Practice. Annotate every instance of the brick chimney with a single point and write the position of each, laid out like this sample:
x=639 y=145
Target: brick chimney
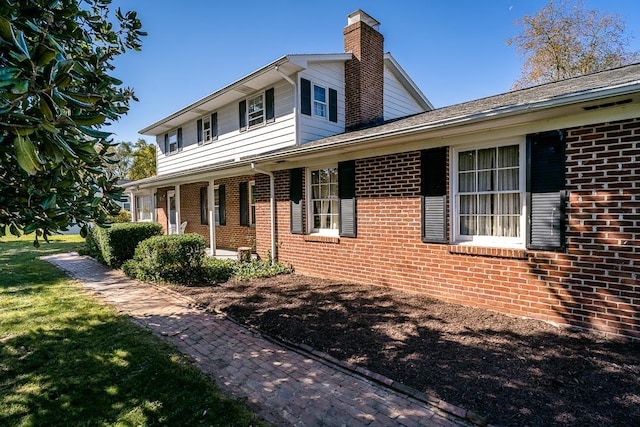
x=364 y=74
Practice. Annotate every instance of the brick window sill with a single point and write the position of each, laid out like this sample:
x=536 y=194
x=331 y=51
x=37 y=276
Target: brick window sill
x=321 y=239
x=488 y=252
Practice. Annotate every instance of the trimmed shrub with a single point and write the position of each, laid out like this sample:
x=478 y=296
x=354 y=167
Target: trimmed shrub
x=122 y=217
x=175 y=259
x=258 y=268
x=219 y=270
x=116 y=244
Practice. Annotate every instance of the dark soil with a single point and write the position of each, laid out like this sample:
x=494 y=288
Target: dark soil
x=513 y=371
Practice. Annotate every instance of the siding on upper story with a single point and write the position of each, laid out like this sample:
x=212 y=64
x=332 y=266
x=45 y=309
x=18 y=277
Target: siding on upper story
x=328 y=75
x=398 y=102
x=232 y=143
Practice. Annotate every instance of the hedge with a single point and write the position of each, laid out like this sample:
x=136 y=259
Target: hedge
x=116 y=244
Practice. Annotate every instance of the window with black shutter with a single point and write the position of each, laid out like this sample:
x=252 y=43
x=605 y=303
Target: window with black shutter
x=244 y=204
x=242 y=115
x=295 y=198
x=546 y=190
x=270 y=112
x=222 y=205
x=347 y=196
x=434 y=195
x=305 y=97
x=204 y=206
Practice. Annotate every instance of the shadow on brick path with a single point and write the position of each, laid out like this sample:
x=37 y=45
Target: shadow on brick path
x=283 y=386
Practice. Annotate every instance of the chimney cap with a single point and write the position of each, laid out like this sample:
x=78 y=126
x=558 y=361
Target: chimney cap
x=360 y=15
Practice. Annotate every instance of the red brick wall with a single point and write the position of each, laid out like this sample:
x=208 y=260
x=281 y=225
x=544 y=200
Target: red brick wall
x=594 y=284
x=229 y=236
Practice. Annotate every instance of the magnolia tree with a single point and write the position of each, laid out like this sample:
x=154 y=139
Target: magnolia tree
x=57 y=92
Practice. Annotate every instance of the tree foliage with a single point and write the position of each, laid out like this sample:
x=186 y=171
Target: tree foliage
x=564 y=40
x=144 y=160
x=56 y=95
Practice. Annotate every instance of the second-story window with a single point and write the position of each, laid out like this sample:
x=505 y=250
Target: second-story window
x=319 y=101
x=255 y=108
x=173 y=141
x=207 y=129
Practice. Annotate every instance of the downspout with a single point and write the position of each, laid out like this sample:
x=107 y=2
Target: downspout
x=272 y=191
x=295 y=105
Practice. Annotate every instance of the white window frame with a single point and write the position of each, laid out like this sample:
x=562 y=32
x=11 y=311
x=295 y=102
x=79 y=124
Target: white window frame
x=263 y=111
x=144 y=205
x=334 y=232
x=173 y=135
x=324 y=103
x=489 y=241
x=252 y=203
x=206 y=139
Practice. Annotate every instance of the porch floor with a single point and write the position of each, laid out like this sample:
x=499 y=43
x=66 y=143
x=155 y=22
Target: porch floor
x=227 y=254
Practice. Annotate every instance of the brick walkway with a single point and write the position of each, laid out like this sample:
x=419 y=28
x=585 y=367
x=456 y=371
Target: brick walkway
x=283 y=386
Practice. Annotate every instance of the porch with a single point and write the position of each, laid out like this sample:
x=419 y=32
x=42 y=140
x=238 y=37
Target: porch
x=228 y=254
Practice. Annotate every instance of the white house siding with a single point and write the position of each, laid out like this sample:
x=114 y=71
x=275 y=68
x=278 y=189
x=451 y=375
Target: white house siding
x=231 y=143
x=329 y=75
x=398 y=102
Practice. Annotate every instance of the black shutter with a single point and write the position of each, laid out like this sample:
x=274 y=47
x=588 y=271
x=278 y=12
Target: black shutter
x=166 y=143
x=347 y=196
x=204 y=206
x=433 y=189
x=222 y=204
x=244 y=204
x=179 y=139
x=295 y=197
x=305 y=97
x=199 y=128
x=270 y=112
x=333 y=105
x=214 y=126
x=546 y=190
x=242 y=115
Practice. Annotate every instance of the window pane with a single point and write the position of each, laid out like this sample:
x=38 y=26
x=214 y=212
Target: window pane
x=319 y=109
x=486 y=158
x=467 y=182
x=467 y=225
x=468 y=204
x=485 y=181
x=509 y=203
x=485 y=204
x=319 y=94
x=508 y=156
x=508 y=179
x=467 y=160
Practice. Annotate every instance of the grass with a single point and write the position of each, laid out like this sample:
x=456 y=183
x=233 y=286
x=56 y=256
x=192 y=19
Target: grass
x=67 y=360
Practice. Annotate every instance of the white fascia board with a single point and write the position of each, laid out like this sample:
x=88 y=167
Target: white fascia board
x=408 y=83
x=303 y=60
x=238 y=84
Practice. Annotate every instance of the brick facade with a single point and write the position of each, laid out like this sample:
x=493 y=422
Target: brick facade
x=593 y=284
x=229 y=236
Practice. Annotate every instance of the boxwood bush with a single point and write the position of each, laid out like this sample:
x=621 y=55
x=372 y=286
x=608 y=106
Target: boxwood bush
x=116 y=244
x=175 y=259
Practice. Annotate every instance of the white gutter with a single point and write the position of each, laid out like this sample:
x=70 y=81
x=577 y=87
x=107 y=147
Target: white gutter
x=296 y=126
x=272 y=191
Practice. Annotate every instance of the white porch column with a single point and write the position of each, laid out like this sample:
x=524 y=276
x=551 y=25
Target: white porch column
x=178 y=220
x=134 y=207
x=154 y=204
x=212 y=218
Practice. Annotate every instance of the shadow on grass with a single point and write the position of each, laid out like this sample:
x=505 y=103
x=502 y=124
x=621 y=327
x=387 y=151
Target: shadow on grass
x=65 y=360
x=514 y=371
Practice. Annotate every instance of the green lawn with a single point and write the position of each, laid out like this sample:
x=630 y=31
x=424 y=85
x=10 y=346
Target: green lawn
x=67 y=360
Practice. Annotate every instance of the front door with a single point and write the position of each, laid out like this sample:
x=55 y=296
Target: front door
x=171 y=212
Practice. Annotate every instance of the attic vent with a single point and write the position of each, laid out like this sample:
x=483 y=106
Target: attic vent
x=608 y=104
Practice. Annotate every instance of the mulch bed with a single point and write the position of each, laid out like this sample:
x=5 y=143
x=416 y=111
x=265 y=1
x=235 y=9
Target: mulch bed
x=514 y=371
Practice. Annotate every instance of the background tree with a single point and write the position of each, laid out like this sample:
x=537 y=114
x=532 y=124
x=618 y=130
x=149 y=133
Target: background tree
x=564 y=40
x=144 y=160
x=56 y=92
x=121 y=159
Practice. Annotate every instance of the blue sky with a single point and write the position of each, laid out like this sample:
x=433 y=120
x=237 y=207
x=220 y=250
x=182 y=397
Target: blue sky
x=455 y=51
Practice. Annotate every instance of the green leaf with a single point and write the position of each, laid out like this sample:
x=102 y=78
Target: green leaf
x=44 y=55
x=21 y=44
x=26 y=155
x=71 y=98
x=95 y=119
x=47 y=107
x=93 y=132
x=49 y=202
x=6 y=32
x=9 y=73
x=20 y=87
